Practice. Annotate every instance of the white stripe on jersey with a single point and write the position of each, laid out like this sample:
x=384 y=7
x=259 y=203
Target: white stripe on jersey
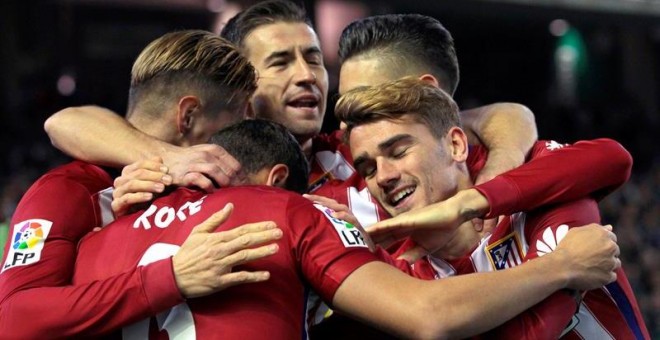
x=105 y=207
x=588 y=326
x=335 y=163
x=364 y=209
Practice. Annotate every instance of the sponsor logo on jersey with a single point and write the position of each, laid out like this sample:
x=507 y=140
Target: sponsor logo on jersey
x=552 y=145
x=348 y=233
x=550 y=239
x=505 y=253
x=27 y=241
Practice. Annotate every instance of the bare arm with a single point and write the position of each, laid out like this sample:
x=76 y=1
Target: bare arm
x=100 y=136
x=507 y=130
x=466 y=305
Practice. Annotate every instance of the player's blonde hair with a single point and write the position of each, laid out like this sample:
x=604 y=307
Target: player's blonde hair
x=190 y=62
x=406 y=98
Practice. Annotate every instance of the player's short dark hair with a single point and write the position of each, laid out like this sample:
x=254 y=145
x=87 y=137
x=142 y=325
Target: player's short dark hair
x=262 y=13
x=258 y=144
x=408 y=40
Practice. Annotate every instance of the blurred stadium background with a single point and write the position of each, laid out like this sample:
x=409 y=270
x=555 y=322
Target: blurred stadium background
x=586 y=68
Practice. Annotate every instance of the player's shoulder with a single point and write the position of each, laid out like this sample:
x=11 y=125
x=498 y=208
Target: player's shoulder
x=79 y=173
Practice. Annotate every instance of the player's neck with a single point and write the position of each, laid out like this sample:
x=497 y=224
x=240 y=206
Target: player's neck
x=307 y=148
x=157 y=128
x=461 y=243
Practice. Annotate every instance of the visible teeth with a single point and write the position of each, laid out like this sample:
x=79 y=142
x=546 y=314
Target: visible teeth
x=402 y=194
x=305 y=103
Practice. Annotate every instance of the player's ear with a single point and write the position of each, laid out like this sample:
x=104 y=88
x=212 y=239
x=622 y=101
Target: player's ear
x=278 y=175
x=187 y=110
x=429 y=78
x=458 y=144
x=249 y=111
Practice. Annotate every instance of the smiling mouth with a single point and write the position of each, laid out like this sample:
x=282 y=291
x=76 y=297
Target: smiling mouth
x=395 y=199
x=304 y=103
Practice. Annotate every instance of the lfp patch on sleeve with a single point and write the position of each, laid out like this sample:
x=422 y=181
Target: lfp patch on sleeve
x=348 y=233
x=27 y=241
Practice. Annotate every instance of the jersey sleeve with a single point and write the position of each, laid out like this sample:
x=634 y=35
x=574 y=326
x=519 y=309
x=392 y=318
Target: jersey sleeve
x=559 y=173
x=544 y=229
x=90 y=309
x=327 y=249
x=35 y=282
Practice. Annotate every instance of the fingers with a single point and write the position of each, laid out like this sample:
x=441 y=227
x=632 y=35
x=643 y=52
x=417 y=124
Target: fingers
x=211 y=223
x=237 y=278
x=234 y=233
x=137 y=183
x=210 y=163
x=478 y=224
x=122 y=204
x=196 y=179
x=238 y=246
x=220 y=166
x=346 y=216
x=227 y=163
x=153 y=164
x=327 y=202
x=141 y=181
x=386 y=228
x=246 y=255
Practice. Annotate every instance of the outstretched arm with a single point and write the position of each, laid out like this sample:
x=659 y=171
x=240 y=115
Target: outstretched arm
x=507 y=130
x=465 y=305
x=558 y=173
x=100 y=136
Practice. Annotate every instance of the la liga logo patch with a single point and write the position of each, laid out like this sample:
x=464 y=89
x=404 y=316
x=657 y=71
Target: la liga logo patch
x=350 y=235
x=27 y=241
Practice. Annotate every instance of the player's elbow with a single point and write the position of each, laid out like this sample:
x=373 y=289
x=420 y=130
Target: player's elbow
x=619 y=160
x=56 y=123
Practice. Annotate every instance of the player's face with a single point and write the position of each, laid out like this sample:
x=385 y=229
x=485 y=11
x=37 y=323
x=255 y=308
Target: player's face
x=356 y=72
x=404 y=165
x=292 y=80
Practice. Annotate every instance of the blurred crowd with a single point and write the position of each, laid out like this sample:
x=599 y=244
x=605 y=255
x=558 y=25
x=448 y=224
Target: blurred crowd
x=634 y=211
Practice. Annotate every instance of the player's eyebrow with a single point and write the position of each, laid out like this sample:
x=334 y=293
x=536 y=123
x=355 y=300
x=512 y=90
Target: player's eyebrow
x=382 y=146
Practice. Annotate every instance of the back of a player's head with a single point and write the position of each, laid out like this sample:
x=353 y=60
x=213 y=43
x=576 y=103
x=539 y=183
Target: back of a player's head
x=400 y=100
x=262 y=13
x=409 y=44
x=190 y=62
x=261 y=144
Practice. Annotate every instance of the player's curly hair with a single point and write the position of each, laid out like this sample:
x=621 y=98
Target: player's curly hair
x=191 y=62
x=406 y=98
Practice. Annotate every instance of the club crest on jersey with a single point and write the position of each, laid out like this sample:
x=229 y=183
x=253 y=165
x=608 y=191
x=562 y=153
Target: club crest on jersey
x=27 y=241
x=505 y=253
x=348 y=233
